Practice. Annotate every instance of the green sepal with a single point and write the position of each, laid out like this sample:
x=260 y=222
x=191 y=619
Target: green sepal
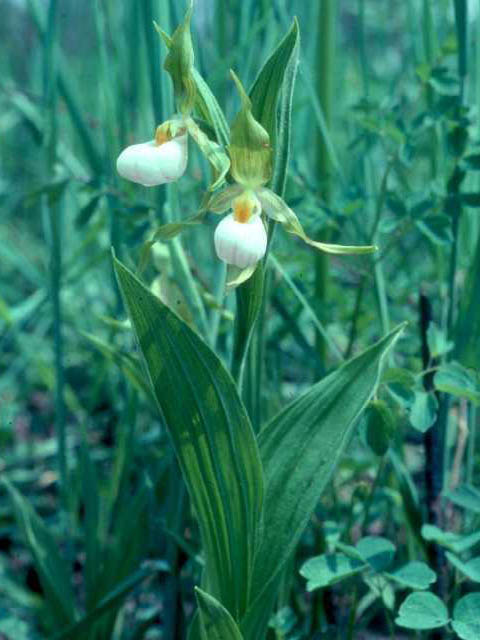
x=179 y=63
x=167 y=232
x=276 y=209
x=221 y=201
x=251 y=154
x=172 y=229
x=213 y=152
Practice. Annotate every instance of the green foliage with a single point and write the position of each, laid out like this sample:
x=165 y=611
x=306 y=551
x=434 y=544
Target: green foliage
x=368 y=480
x=422 y=610
x=215 y=621
x=212 y=436
x=466 y=616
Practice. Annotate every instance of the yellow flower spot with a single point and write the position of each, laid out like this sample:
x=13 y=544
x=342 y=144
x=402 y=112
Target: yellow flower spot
x=244 y=207
x=162 y=133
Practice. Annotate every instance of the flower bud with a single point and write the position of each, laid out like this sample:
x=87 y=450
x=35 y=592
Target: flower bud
x=241 y=244
x=151 y=163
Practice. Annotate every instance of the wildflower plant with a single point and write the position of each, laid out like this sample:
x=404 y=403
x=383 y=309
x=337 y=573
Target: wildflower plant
x=116 y=536
x=252 y=493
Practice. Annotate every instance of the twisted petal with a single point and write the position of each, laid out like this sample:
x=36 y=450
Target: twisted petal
x=276 y=209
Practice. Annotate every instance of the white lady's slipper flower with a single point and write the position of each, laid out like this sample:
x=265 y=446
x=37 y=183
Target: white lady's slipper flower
x=240 y=238
x=161 y=160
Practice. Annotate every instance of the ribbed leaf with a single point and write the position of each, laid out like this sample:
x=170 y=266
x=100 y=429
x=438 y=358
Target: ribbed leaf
x=215 y=621
x=212 y=437
x=277 y=78
x=300 y=449
x=266 y=88
x=51 y=568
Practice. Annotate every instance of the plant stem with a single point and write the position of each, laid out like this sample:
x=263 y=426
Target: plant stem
x=54 y=209
x=380 y=469
x=434 y=446
x=326 y=25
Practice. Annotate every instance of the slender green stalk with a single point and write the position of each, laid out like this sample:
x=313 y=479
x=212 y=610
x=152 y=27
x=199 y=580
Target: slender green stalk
x=55 y=217
x=326 y=26
x=472 y=431
x=381 y=294
x=362 y=47
x=337 y=354
x=430 y=47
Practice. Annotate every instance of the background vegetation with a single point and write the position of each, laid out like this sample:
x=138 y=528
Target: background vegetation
x=385 y=136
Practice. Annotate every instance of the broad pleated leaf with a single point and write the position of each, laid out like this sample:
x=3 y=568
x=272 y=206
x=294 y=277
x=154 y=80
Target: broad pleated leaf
x=215 y=621
x=212 y=437
x=300 y=449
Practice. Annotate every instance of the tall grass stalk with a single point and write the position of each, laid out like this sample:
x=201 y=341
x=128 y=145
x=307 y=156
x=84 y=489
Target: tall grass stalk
x=53 y=209
x=325 y=67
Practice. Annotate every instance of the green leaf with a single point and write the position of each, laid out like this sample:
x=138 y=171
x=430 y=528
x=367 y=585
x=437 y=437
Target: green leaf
x=437 y=228
x=215 y=621
x=400 y=385
x=414 y=575
x=90 y=497
x=212 y=436
x=450 y=540
x=51 y=568
x=110 y=601
x=86 y=212
x=379 y=427
x=328 y=569
x=438 y=343
x=466 y=617
x=422 y=610
x=128 y=365
x=378 y=552
x=471 y=568
x=266 y=89
x=423 y=411
x=272 y=92
x=455 y=379
x=300 y=448
x=465 y=496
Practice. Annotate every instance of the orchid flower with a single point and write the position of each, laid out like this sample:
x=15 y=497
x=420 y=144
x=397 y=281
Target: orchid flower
x=164 y=159
x=241 y=238
x=158 y=161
